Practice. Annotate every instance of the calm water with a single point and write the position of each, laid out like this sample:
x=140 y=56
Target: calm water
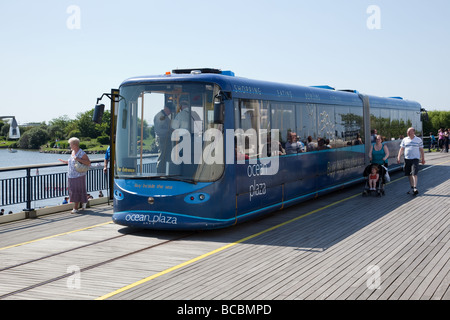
x=22 y=158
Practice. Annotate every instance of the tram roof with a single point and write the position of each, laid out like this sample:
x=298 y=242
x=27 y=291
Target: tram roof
x=257 y=89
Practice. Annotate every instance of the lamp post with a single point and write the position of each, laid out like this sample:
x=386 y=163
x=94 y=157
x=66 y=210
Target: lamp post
x=97 y=118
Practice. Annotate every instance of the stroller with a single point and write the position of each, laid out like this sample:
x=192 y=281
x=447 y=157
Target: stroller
x=379 y=190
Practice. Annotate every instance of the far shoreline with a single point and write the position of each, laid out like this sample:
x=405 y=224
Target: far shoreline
x=55 y=151
x=59 y=151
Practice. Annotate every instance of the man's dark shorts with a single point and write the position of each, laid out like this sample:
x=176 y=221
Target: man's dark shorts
x=411 y=167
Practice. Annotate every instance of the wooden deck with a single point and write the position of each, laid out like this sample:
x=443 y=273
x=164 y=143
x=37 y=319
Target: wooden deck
x=340 y=246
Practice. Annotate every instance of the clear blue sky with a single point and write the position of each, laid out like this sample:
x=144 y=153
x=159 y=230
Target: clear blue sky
x=48 y=70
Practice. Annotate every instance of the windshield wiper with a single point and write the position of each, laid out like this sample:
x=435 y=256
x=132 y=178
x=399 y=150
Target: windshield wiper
x=192 y=181
x=167 y=178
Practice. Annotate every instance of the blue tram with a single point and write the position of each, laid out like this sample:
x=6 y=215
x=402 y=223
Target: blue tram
x=204 y=149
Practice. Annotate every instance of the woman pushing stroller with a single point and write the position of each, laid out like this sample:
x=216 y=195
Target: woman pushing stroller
x=375 y=172
x=379 y=153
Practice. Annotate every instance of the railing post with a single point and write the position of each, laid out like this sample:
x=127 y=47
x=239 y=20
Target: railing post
x=28 y=209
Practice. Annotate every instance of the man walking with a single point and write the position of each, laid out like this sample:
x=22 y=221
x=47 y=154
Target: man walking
x=412 y=147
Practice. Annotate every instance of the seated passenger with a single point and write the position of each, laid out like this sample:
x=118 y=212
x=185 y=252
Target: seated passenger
x=358 y=140
x=311 y=146
x=293 y=145
x=238 y=155
x=321 y=144
x=278 y=148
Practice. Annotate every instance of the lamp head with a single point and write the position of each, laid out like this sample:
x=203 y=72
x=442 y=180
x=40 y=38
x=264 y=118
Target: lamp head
x=98 y=113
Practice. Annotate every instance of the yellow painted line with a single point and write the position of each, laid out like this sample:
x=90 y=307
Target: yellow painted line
x=181 y=265
x=421 y=170
x=56 y=235
x=436 y=165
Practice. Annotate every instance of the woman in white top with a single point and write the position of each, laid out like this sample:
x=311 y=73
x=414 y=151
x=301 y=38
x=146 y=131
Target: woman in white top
x=77 y=179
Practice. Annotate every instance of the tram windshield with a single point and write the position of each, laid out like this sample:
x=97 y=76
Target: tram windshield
x=167 y=132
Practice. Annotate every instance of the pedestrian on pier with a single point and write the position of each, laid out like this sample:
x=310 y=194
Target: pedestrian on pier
x=106 y=160
x=412 y=147
x=77 y=176
x=446 y=140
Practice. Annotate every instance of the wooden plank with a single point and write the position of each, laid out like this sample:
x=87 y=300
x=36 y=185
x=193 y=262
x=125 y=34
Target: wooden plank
x=322 y=256
x=396 y=232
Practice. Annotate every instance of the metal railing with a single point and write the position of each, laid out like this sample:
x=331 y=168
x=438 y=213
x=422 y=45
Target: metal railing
x=28 y=188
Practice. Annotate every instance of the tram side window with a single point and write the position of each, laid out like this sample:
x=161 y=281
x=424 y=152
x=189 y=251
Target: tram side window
x=265 y=127
x=307 y=129
x=345 y=132
x=349 y=126
x=283 y=118
x=374 y=118
x=394 y=124
x=380 y=120
x=357 y=120
x=247 y=125
x=414 y=119
x=299 y=123
x=384 y=124
x=326 y=127
x=403 y=123
x=399 y=124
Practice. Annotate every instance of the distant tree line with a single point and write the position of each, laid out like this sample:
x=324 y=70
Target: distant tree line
x=61 y=129
x=436 y=120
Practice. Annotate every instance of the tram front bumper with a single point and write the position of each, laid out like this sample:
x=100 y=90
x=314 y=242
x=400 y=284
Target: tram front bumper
x=167 y=221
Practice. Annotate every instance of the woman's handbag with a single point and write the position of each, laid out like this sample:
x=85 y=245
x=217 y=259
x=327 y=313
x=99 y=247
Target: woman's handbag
x=81 y=168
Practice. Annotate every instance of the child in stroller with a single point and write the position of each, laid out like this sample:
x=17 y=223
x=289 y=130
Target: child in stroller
x=374 y=177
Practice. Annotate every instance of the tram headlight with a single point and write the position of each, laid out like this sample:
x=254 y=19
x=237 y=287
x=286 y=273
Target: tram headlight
x=201 y=197
x=151 y=200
